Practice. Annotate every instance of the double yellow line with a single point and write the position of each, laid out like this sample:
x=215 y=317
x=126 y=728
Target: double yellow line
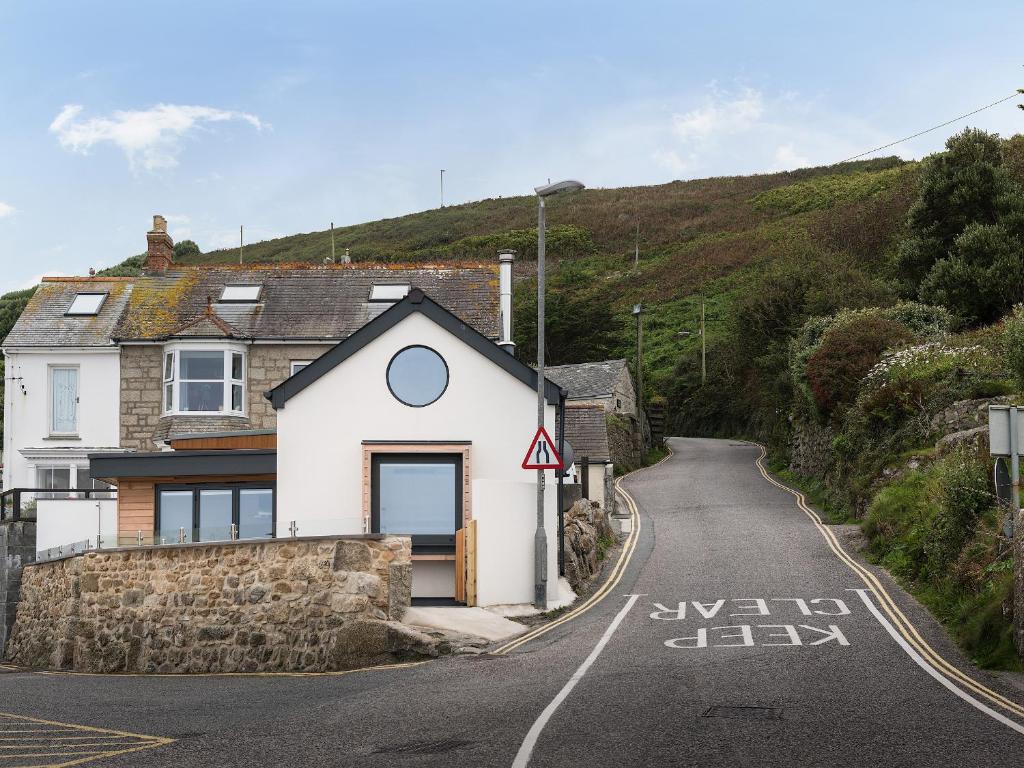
x=902 y=624
x=608 y=586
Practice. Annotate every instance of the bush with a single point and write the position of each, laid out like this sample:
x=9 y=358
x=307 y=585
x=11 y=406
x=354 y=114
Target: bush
x=845 y=355
x=960 y=495
x=1013 y=343
x=920 y=321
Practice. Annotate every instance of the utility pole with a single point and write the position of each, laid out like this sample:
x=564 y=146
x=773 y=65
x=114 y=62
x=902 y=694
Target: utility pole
x=442 y=187
x=241 y=241
x=636 y=242
x=703 y=346
x=638 y=314
x=332 y=242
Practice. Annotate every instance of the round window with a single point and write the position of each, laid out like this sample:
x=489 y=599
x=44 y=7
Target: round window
x=417 y=376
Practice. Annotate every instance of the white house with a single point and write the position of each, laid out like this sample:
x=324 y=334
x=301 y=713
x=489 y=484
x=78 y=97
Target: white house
x=63 y=377
x=418 y=424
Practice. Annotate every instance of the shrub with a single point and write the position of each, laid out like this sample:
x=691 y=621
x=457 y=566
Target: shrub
x=960 y=495
x=846 y=353
x=1013 y=343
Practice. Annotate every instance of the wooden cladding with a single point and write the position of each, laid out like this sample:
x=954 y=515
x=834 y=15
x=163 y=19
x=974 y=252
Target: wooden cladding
x=225 y=443
x=369 y=449
x=136 y=500
x=465 y=564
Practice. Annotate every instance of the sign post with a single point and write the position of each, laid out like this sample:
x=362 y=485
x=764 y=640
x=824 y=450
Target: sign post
x=1005 y=439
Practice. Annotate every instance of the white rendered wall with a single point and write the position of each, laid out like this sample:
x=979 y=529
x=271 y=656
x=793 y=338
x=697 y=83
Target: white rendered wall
x=320 y=433
x=66 y=521
x=433 y=578
x=27 y=408
x=595 y=480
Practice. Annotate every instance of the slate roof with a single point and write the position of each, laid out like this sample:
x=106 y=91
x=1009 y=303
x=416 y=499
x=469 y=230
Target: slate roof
x=415 y=301
x=298 y=302
x=587 y=431
x=586 y=380
x=44 y=324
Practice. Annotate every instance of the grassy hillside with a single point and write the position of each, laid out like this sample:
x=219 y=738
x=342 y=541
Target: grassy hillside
x=720 y=234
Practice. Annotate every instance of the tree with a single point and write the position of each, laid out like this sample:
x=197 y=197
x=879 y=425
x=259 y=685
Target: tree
x=186 y=250
x=965 y=231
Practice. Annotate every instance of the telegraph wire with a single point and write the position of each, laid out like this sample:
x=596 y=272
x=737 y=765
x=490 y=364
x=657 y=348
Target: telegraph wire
x=1014 y=95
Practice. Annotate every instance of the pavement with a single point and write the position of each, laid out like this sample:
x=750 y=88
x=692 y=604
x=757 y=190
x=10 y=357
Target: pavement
x=477 y=622
x=735 y=636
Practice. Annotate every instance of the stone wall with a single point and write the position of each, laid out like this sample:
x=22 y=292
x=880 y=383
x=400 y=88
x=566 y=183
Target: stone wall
x=811 y=450
x=17 y=549
x=142 y=392
x=586 y=524
x=624 y=442
x=306 y=604
x=269 y=365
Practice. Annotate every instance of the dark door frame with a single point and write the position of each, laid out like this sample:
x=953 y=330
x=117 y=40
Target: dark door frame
x=421 y=543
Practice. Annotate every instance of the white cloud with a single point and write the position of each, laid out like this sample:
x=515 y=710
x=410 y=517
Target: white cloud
x=149 y=137
x=787 y=158
x=32 y=282
x=6 y=209
x=720 y=116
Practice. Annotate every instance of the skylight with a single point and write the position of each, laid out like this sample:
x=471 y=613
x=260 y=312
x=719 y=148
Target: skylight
x=86 y=304
x=389 y=292
x=241 y=294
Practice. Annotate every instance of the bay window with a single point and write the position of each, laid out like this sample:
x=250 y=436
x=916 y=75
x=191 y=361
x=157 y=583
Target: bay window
x=204 y=380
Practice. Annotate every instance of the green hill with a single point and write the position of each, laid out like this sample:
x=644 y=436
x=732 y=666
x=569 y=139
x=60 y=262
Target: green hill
x=719 y=233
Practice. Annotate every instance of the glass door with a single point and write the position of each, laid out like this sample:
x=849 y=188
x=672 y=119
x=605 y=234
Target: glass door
x=419 y=495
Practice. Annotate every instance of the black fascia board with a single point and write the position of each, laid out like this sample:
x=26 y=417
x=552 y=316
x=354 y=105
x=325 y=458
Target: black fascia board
x=183 y=463
x=414 y=301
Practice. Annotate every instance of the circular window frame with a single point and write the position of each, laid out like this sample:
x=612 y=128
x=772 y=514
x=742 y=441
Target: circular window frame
x=447 y=375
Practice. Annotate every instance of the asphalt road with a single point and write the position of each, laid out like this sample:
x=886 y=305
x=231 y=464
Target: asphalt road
x=747 y=646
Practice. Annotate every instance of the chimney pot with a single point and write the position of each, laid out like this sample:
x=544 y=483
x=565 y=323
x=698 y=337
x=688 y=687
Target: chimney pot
x=159 y=247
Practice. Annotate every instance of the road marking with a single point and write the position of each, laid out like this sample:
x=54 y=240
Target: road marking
x=523 y=756
x=60 y=750
x=942 y=679
x=899 y=620
x=613 y=579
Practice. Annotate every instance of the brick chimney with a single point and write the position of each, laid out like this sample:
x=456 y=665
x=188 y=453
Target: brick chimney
x=159 y=247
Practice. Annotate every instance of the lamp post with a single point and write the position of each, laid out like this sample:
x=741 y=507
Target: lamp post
x=540 y=539
x=638 y=310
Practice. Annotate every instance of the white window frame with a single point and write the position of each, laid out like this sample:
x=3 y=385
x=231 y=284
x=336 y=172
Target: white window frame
x=294 y=363
x=174 y=351
x=49 y=401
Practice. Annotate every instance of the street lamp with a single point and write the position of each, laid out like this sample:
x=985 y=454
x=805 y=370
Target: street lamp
x=540 y=539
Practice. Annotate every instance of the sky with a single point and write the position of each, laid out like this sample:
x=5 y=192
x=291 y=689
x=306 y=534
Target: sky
x=284 y=117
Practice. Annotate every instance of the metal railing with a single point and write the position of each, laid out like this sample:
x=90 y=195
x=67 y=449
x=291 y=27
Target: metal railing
x=20 y=503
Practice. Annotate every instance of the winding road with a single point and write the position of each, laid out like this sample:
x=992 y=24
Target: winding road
x=740 y=633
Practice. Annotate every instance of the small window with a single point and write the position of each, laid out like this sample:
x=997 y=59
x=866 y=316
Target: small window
x=417 y=376
x=298 y=365
x=86 y=304
x=241 y=294
x=390 y=293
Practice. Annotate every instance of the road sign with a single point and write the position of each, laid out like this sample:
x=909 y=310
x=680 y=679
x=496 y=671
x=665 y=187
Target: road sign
x=542 y=453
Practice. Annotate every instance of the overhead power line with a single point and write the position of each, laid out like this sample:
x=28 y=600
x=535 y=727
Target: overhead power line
x=1013 y=95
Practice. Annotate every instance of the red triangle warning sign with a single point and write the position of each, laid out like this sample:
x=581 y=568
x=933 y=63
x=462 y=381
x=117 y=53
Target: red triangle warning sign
x=542 y=453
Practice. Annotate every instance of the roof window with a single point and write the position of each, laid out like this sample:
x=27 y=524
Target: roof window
x=390 y=293
x=241 y=294
x=86 y=304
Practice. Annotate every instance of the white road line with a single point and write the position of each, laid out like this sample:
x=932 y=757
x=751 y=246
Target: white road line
x=931 y=670
x=526 y=750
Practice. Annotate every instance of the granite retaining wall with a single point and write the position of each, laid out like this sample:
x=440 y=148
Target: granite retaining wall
x=288 y=605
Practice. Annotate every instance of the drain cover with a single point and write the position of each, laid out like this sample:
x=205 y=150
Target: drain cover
x=744 y=713
x=423 y=747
